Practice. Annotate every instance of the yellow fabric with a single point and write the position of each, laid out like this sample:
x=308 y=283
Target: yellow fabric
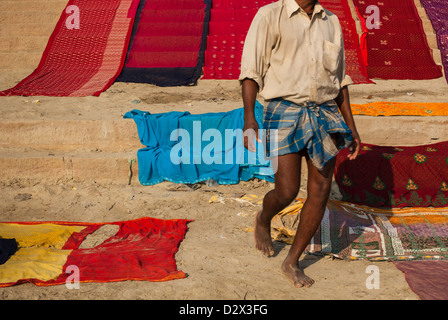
x=382 y=108
x=34 y=263
x=284 y=224
x=38 y=235
x=39 y=253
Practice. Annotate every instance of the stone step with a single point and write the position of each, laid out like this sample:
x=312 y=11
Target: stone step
x=23 y=44
x=402 y=130
x=28 y=29
x=11 y=18
x=99 y=151
x=71 y=135
x=111 y=136
x=64 y=155
x=14 y=61
x=37 y=7
x=33 y=167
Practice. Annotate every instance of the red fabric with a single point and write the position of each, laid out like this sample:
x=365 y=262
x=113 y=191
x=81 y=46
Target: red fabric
x=399 y=48
x=428 y=279
x=354 y=63
x=363 y=38
x=229 y=23
x=395 y=176
x=169 y=35
x=230 y=20
x=142 y=249
x=84 y=61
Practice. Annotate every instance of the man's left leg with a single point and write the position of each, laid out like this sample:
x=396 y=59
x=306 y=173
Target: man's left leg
x=319 y=187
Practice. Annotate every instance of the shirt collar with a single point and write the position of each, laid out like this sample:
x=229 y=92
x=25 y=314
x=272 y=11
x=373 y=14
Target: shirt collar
x=292 y=6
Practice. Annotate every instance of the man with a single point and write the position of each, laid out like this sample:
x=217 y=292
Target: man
x=293 y=57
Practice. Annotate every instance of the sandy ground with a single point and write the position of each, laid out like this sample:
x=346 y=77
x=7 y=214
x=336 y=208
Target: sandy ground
x=218 y=253
x=207 y=96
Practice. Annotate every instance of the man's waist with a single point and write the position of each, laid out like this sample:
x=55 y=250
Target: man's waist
x=304 y=104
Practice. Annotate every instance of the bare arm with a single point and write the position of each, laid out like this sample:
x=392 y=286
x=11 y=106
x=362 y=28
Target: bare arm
x=343 y=102
x=249 y=94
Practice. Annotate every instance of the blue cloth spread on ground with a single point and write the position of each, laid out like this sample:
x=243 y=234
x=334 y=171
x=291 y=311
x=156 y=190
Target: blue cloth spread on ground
x=190 y=148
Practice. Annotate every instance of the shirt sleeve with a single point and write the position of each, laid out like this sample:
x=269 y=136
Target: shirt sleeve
x=257 y=50
x=344 y=78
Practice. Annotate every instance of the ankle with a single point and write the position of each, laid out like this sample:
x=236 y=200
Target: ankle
x=290 y=262
x=264 y=219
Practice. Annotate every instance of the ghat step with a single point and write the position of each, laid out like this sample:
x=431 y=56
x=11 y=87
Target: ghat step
x=101 y=150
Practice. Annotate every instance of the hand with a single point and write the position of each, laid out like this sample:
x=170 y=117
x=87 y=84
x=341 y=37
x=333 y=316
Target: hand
x=355 y=146
x=250 y=131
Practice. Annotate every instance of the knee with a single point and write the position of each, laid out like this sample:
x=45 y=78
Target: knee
x=285 y=197
x=319 y=189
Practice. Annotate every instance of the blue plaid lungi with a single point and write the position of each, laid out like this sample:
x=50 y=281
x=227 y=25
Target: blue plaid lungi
x=289 y=128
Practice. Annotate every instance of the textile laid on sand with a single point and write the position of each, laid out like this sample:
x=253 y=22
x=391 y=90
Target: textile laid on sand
x=168 y=42
x=428 y=279
x=230 y=20
x=48 y=252
x=229 y=23
x=383 y=108
x=395 y=176
x=350 y=231
x=397 y=47
x=86 y=51
x=437 y=11
x=7 y=248
x=188 y=148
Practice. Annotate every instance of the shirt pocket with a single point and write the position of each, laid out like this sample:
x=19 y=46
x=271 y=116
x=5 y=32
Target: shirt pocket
x=331 y=56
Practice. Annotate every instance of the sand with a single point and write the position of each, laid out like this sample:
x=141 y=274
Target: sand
x=218 y=253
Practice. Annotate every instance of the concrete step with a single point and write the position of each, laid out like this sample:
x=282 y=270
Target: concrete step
x=402 y=130
x=32 y=167
x=117 y=136
x=61 y=151
x=48 y=6
x=11 y=61
x=10 y=18
x=99 y=151
x=71 y=135
x=28 y=44
x=57 y=151
x=26 y=28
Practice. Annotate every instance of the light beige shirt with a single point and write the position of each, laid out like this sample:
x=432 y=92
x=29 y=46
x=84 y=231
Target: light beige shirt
x=294 y=57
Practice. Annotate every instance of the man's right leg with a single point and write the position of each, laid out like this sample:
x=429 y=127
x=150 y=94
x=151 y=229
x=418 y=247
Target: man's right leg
x=287 y=186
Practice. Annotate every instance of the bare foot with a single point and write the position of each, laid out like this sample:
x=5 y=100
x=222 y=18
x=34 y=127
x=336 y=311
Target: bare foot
x=263 y=241
x=298 y=278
